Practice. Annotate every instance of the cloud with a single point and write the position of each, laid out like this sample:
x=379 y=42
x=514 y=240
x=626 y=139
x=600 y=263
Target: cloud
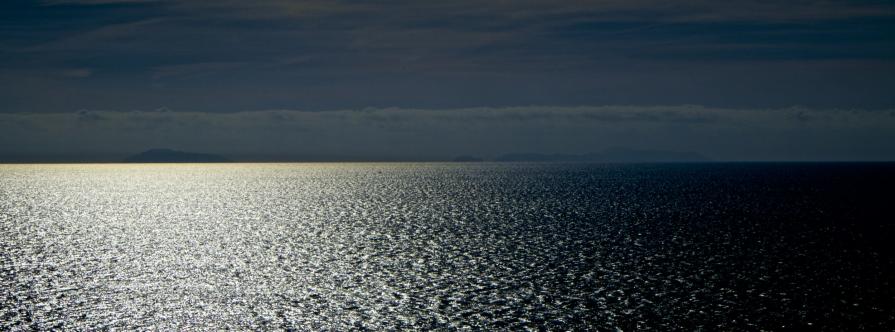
x=612 y=10
x=723 y=134
x=94 y=2
x=230 y=55
x=195 y=69
x=77 y=72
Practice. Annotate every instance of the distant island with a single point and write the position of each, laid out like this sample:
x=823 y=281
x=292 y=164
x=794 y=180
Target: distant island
x=467 y=159
x=174 y=156
x=615 y=155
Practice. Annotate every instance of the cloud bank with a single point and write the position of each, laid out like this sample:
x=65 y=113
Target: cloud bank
x=439 y=134
x=233 y=55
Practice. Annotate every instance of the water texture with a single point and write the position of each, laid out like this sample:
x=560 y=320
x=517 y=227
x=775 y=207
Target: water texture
x=484 y=246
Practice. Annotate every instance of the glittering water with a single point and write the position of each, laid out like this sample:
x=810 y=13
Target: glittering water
x=445 y=246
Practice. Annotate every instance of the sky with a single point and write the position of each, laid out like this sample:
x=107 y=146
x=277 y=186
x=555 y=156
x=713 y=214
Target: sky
x=97 y=80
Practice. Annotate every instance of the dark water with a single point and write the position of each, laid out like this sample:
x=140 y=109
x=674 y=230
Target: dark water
x=447 y=246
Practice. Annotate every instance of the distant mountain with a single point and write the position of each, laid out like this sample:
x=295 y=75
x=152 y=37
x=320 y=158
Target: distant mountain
x=467 y=159
x=539 y=157
x=174 y=156
x=615 y=155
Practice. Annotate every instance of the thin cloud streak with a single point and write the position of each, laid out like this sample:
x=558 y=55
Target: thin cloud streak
x=228 y=55
x=722 y=134
x=94 y=2
x=611 y=10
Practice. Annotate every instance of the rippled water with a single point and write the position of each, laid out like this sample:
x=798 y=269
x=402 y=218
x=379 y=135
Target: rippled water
x=445 y=246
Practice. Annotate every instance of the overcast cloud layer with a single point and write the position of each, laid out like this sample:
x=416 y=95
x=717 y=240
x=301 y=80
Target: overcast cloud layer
x=421 y=134
x=266 y=79
x=234 y=55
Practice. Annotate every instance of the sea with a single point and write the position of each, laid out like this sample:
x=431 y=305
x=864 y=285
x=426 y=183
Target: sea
x=448 y=246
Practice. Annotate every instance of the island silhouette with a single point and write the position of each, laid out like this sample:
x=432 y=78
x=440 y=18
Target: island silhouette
x=174 y=156
x=612 y=155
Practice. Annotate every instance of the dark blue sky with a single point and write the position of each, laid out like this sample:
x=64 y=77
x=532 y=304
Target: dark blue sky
x=226 y=56
x=212 y=55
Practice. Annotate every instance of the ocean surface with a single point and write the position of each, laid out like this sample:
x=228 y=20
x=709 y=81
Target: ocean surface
x=481 y=246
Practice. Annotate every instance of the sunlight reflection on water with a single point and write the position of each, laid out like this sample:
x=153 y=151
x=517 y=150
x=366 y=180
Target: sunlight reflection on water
x=485 y=246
